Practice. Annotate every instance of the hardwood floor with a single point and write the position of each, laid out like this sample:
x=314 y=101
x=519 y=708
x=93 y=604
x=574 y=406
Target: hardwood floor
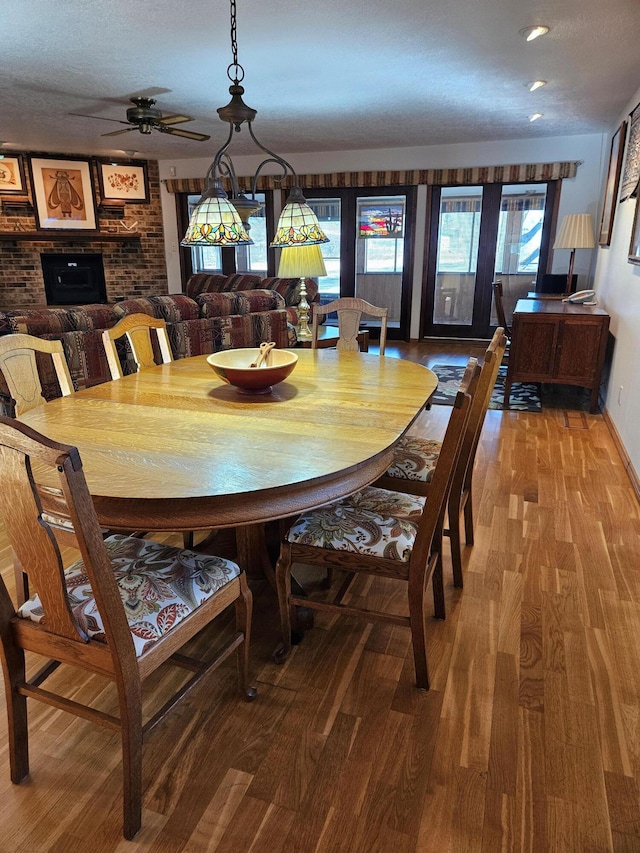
x=529 y=739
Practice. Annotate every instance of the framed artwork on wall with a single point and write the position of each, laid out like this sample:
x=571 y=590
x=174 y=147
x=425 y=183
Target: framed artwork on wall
x=12 y=180
x=611 y=187
x=63 y=194
x=634 y=246
x=124 y=182
x=631 y=173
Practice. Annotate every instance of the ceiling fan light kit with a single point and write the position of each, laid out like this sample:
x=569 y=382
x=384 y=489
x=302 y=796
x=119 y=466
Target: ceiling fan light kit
x=211 y=222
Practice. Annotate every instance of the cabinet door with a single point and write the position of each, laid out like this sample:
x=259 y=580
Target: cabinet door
x=534 y=356
x=578 y=350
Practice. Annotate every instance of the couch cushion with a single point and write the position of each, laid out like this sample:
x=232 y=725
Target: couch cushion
x=203 y=282
x=250 y=301
x=289 y=289
x=97 y=316
x=218 y=304
x=86 y=357
x=140 y=305
x=37 y=321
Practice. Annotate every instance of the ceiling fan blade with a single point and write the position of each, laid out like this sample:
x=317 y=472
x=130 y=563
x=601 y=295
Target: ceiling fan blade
x=118 y=132
x=175 y=119
x=100 y=118
x=187 y=134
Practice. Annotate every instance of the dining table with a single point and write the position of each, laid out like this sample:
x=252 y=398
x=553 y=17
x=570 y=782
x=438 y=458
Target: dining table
x=175 y=448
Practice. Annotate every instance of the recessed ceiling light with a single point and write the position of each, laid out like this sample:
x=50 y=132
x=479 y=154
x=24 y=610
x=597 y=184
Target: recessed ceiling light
x=531 y=33
x=535 y=117
x=536 y=84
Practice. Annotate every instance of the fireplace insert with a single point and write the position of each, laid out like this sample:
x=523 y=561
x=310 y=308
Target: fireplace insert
x=73 y=279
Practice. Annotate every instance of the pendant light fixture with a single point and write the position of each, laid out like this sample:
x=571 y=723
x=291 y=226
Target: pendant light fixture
x=219 y=221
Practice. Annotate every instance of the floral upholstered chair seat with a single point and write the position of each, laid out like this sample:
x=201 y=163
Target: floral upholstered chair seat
x=160 y=586
x=375 y=522
x=415 y=459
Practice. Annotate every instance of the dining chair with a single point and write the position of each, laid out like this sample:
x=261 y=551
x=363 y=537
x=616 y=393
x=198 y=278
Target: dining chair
x=349 y=310
x=496 y=286
x=20 y=369
x=415 y=459
x=137 y=329
x=122 y=609
x=380 y=533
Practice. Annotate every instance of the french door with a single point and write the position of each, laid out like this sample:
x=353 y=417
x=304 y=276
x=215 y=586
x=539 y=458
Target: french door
x=370 y=253
x=477 y=234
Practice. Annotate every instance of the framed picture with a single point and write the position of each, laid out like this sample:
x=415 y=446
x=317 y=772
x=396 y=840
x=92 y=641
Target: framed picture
x=613 y=182
x=631 y=173
x=63 y=194
x=12 y=175
x=634 y=247
x=377 y=219
x=123 y=182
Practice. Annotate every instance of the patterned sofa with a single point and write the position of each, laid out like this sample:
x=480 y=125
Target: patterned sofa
x=196 y=326
x=288 y=288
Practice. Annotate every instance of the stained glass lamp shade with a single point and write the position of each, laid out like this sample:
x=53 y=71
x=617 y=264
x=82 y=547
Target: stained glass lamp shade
x=215 y=222
x=298 y=224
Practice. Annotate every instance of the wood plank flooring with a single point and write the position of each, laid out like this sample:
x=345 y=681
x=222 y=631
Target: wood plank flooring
x=529 y=739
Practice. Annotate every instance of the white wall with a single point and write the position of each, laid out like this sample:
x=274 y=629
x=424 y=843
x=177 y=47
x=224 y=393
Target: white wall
x=617 y=283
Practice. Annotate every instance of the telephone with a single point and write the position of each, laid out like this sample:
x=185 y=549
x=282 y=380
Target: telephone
x=582 y=297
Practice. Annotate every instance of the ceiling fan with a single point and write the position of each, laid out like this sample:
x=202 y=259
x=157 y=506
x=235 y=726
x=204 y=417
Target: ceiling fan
x=144 y=117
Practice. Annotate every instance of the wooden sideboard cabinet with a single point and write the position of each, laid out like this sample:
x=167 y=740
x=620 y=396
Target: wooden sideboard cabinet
x=557 y=342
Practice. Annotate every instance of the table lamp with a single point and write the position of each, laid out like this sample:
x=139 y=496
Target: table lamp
x=302 y=262
x=576 y=232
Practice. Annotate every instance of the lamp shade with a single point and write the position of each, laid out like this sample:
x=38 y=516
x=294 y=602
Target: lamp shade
x=215 y=222
x=301 y=262
x=298 y=224
x=576 y=232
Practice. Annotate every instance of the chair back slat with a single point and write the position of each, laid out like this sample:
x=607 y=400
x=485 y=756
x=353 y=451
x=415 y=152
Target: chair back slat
x=499 y=303
x=137 y=329
x=19 y=367
x=349 y=310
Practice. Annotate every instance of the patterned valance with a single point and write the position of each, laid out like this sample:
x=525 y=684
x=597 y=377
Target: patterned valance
x=474 y=175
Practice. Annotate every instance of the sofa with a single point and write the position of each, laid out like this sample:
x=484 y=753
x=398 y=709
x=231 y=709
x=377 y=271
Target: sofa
x=225 y=317
x=288 y=288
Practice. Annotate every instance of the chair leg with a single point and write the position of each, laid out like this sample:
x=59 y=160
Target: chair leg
x=18 y=732
x=283 y=587
x=437 y=581
x=468 y=516
x=244 y=608
x=131 y=735
x=187 y=539
x=454 y=539
x=417 y=619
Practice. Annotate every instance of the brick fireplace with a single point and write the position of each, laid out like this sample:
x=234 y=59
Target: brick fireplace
x=133 y=265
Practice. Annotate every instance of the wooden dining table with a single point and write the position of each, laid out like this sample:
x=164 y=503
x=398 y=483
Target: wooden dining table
x=174 y=448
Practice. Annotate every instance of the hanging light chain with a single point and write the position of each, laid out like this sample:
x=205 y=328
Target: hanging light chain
x=238 y=74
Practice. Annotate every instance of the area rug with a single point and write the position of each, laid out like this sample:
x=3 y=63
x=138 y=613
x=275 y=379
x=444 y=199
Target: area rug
x=525 y=396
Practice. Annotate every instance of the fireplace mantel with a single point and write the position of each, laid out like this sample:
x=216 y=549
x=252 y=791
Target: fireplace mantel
x=69 y=236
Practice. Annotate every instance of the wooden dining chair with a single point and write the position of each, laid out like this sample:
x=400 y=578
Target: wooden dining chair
x=380 y=533
x=415 y=459
x=20 y=369
x=122 y=609
x=137 y=328
x=498 y=301
x=350 y=311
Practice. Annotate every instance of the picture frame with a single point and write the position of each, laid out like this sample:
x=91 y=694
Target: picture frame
x=634 y=245
x=123 y=181
x=380 y=220
x=63 y=194
x=612 y=185
x=631 y=174
x=12 y=179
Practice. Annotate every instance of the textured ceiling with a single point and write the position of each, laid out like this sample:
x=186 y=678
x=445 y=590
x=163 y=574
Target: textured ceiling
x=340 y=74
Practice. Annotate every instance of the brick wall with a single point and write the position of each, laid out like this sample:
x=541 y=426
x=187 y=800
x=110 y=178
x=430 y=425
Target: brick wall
x=134 y=267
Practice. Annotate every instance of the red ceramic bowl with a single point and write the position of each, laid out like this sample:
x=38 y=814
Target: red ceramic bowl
x=232 y=366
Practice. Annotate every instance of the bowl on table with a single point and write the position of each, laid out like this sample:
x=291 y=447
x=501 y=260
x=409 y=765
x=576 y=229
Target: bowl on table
x=233 y=366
